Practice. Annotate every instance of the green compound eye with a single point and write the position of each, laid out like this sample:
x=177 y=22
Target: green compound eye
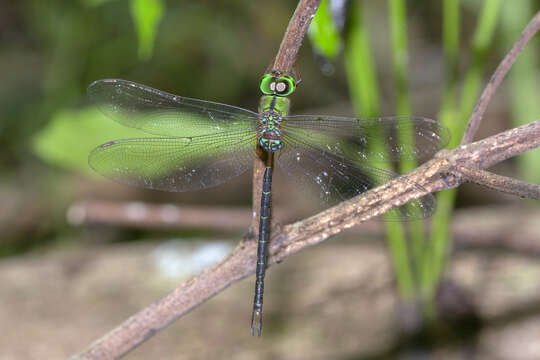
x=282 y=86
x=266 y=80
x=285 y=86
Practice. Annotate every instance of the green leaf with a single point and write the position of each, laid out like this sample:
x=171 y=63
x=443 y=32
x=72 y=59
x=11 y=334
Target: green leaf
x=146 y=14
x=323 y=32
x=71 y=134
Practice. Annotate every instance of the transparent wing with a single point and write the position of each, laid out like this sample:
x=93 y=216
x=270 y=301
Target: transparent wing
x=160 y=113
x=176 y=164
x=404 y=138
x=338 y=178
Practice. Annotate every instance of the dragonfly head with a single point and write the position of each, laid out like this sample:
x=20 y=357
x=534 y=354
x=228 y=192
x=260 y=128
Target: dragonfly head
x=277 y=85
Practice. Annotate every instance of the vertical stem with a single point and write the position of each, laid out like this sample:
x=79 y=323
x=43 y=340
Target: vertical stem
x=440 y=237
x=361 y=75
x=457 y=123
x=297 y=28
x=284 y=62
x=400 y=55
x=400 y=59
x=482 y=40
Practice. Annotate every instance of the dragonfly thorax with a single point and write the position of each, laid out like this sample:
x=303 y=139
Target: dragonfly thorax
x=270 y=130
x=272 y=109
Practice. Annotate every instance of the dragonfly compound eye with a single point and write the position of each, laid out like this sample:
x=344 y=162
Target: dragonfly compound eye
x=285 y=86
x=279 y=87
x=282 y=86
x=268 y=84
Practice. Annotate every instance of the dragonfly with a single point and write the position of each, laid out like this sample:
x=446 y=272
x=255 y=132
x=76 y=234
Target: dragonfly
x=197 y=144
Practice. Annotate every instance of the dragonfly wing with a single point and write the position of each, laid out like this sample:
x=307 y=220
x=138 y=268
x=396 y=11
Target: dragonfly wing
x=160 y=113
x=405 y=138
x=340 y=179
x=175 y=164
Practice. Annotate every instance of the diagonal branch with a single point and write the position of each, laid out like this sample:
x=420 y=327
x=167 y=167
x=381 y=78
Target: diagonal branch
x=499 y=74
x=501 y=183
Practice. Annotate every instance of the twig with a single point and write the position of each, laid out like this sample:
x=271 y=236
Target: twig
x=491 y=226
x=501 y=183
x=144 y=215
x=292 y=40
x=283 y=63
x=499 y=74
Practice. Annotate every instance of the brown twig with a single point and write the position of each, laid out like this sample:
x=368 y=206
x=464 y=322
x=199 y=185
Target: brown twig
x=288 y=50
x=283 y=63
x=491 y=226
x=438 y=174
x=501 y=183
x=499 y=74
x=145 y=215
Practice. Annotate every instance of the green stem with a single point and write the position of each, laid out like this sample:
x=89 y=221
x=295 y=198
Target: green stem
x=456 y=119
x=400 y=55
x=440 y=237
x=400 y=59
x=364 y=89
x=482 y=40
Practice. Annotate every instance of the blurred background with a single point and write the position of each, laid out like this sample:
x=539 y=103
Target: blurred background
x=79 y=253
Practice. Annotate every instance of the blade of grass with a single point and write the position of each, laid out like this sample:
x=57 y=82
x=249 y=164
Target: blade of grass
x=482 y=40
x=364 y=89
x=457 y=122
x=440 y=237
x=400 y=62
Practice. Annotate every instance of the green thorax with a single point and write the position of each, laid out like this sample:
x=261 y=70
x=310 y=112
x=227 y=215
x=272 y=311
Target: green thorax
x=272 y=110
x=273 y=107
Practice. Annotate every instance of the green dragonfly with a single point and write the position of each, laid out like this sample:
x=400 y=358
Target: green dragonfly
x=200 y=144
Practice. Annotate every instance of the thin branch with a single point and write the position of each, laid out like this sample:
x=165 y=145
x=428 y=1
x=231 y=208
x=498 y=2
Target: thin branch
x=489 y=227
x=166 y=216
x=139 y=214
x=292 y=40
x=283 y=63
x=499 y=74
x=501 y=183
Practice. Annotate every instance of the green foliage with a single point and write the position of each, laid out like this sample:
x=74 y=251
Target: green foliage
x=364 y=92
x=455 y=115
x=428 y=257
x=71 y=134
x=323 y=32
x=147 y=14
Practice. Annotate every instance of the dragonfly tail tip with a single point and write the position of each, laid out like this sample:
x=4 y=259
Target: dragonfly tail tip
x=256 y=322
